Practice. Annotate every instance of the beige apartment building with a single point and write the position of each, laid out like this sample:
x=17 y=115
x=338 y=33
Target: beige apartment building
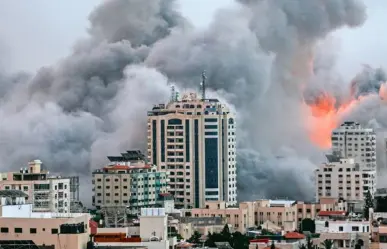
x=194 y=139
x=284 y=215
x=352 y=140
x=343 y=178
x=19 y=223
x=46 y=193
x=128 y=181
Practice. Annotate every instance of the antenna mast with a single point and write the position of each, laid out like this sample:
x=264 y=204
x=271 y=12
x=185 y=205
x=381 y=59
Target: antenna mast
x=173 y=94
x=203 y=85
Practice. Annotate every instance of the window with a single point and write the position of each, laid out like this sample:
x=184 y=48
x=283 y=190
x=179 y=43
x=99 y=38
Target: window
x=32 y=230
x=355 y=229
x=341 y=229
x=54 y=231
x=4 y=230
x=18 y=230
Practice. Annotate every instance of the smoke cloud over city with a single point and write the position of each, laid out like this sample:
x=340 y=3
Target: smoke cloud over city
x=265 y=58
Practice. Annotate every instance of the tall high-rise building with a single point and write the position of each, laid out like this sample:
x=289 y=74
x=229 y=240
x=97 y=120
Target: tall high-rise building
x=194 y=140
x=354 y=141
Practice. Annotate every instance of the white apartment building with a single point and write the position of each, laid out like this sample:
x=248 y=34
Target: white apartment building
x=354 y=141
x=342 y=226
x=128 y=181
x=45 y=192
x=152 y=231
x=343 y=178
x=194 y=139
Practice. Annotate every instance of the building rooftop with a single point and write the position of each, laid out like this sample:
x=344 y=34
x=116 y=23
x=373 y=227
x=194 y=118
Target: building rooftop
x=25 y=211
x=294 y=235
x=18 y=244
x=277 y=203
x=128 y=156
x=332 y=213
x=12 y=193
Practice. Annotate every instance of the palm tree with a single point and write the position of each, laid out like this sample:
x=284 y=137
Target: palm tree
x=309 y=243
x=327 y=244
x=302 y=246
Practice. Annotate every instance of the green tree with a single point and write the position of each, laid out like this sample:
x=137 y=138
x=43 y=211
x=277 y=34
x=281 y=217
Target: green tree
x=302 y=246
x=226 y=233
x=272 y=245
x=307 y=225
x=327 y=244
x=195 y=238
x=368 y=203
x=309 y=243
x=210 y=242
x=239 y=241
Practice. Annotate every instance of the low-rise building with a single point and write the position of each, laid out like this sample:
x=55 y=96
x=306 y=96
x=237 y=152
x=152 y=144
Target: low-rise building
x=46 y=193
x=343 y=230
x=151 y=233
x=284 y=214
x=129 y=181
x=18 y=223
x=204 y=225
x=236 y=217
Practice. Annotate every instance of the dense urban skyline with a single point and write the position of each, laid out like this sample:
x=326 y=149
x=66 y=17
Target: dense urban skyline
x=94 y=101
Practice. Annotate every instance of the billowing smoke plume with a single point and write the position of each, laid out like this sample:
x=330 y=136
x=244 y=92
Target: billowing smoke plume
x=368 y=82
x=259 y=57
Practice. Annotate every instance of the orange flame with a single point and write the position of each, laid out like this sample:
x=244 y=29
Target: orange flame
x=322 y=121
x=326 y=116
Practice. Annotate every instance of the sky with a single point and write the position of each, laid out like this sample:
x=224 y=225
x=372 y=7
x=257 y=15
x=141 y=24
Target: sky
x=38 y=33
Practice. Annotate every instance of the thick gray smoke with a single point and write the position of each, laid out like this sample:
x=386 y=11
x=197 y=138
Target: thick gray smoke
x=368 y=82
x=259 y=56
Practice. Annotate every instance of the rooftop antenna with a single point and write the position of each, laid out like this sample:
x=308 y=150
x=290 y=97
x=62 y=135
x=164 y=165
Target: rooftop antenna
x=203 y=85
x=173 y=94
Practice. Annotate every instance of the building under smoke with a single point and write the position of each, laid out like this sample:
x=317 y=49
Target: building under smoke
x=355 y=141
x=194 y=139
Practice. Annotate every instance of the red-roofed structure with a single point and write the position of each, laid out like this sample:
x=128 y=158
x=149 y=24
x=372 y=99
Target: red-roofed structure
x=125 y=167
x=93 y=227
x=332 y=213
x=294 y=235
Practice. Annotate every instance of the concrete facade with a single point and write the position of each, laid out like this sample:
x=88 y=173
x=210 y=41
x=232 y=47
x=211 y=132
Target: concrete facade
x=195 y=140
x=18 y=222
x=354 y=141
x=46 y=193
x=344 y=179
x=284 y=214
x=130 y=183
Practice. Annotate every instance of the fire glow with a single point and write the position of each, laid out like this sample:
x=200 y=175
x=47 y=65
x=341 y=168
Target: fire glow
x=326 y=114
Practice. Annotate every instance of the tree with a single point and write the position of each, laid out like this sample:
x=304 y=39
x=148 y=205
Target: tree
x=302 y=246
x=368 y=203
x=226 y=233
x=327 y=244
x=210 y=241
x=272 y=245
x=239 y=241
x=195 y=238
x=309 y=243
x=307 y=225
